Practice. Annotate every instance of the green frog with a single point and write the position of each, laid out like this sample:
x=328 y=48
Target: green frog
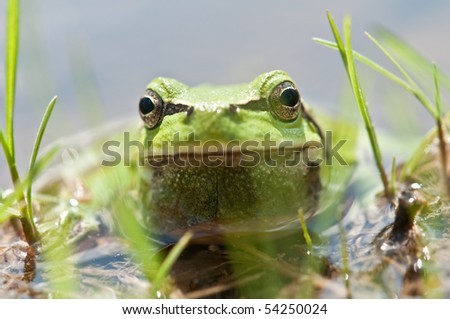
x=245 y=154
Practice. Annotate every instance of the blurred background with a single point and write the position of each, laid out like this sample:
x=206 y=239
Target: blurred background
x=98 y=56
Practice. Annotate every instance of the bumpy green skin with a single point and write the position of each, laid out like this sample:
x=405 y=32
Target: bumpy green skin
x=178 y=197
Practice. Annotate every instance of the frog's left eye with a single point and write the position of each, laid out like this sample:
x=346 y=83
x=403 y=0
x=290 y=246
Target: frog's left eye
x=151 y=109
x=285 y=101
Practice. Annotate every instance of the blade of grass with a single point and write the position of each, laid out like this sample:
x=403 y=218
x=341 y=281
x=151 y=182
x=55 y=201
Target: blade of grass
x=416 y=91
x=6 y=212
x=309 y=244
x=440 y=129
x=412 y=87
x=393 y=174
x=29 y=227
x=8 y=202
x=16 y=223
x=437 y=94
x=369 y=63
x=391 y=58
x=34 y=154
x=411 y=57
x=17 y=197
x=339 y=43
x=417 y=158
x=409 y=84
x=347 y=56
x=12 y=45
x=351 y=70
x=364 y=109
x=166 y=265
x=9 y=159
x=5 y=148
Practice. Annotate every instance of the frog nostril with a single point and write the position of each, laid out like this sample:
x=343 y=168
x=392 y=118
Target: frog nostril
x=234 y=108
x=190 y=110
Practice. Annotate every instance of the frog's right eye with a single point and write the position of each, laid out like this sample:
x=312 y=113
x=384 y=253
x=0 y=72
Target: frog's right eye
x=151 y=109
x=285 y=101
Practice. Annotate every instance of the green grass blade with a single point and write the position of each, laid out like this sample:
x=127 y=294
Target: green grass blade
x=29 y=227
x=363 y=107
x=369 y=63
x=437 y=94
x=9 y=159
x=351 y=70
x=35 y=151
x=6 y=207
x=44 y=161
x=416 y=91
x=347 y=55
x=7 y=212
x=391 y=58
x=5 y=148
x=306 y=235
x=416 y=159
x=41 y=131
x=440 y=130
x=166 y=265
x=12 y=46
x=393 y=174
x=325 y=43
x=16 y=196
x=411 y=57
x=337 y=37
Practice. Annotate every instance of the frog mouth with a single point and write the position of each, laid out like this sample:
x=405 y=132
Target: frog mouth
x=308 y=154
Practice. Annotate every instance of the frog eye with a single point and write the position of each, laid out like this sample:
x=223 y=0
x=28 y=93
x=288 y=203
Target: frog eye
x=285 y=101
x=151 y=109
